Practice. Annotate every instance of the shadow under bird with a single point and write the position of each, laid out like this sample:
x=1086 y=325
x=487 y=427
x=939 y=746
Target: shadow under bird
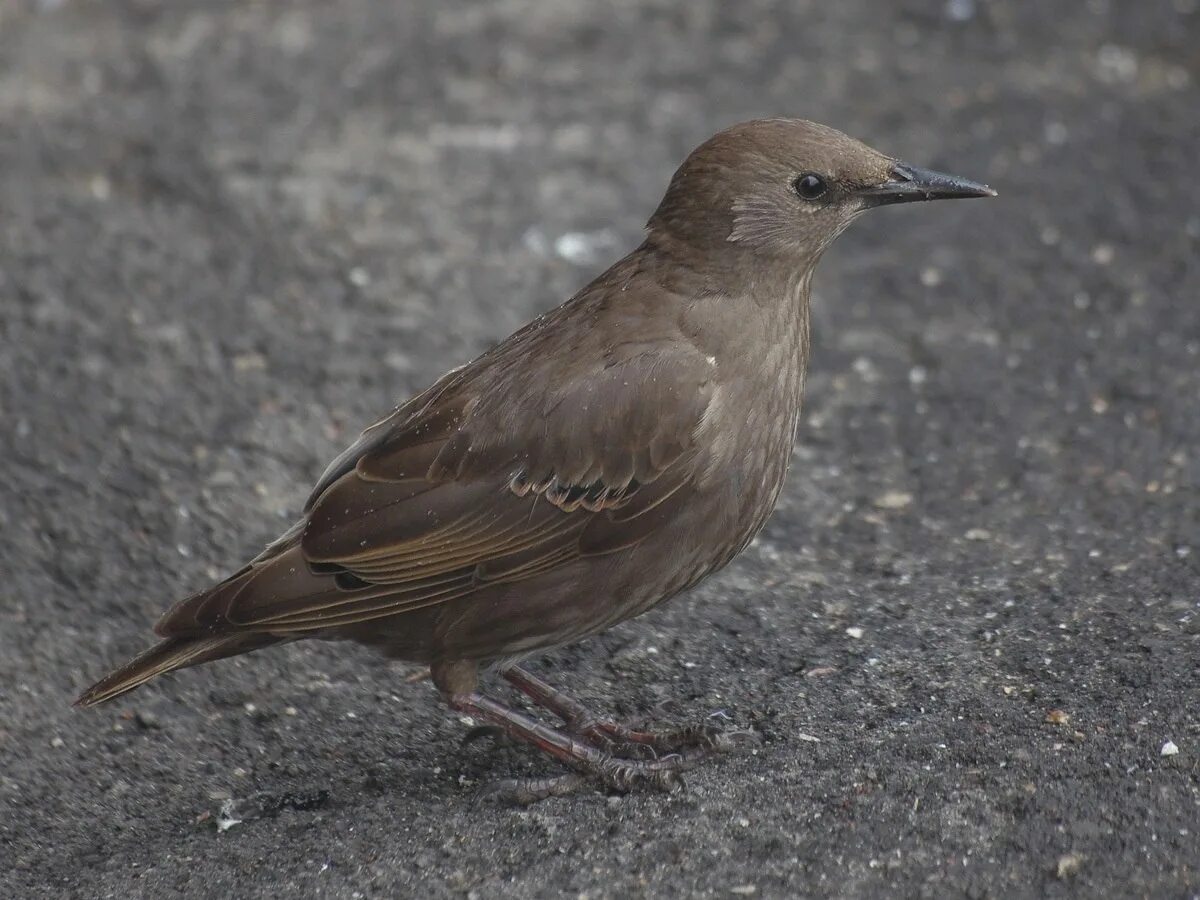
x=610 y=454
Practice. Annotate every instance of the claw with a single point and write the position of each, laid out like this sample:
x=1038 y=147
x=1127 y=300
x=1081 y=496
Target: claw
x=623 y=775
x=671 y=781
x=728 y=741
x=524 y=791
x=708 y=738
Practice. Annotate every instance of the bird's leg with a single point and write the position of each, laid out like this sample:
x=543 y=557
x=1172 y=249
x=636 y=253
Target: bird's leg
x=578 y=718
x=583 y=722
x=588 y=761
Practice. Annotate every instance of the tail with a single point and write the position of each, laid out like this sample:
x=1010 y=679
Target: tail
x=167 y=656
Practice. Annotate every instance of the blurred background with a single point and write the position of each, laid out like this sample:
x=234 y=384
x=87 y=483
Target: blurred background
x=232 y=234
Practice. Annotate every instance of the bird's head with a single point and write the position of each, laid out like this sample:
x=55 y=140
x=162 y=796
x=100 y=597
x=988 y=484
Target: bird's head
x=788 y=187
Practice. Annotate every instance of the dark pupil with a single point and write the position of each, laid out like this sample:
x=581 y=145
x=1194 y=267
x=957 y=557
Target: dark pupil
x=810 y=187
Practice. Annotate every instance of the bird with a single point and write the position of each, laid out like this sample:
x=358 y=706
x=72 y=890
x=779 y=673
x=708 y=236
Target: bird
x=610 y=454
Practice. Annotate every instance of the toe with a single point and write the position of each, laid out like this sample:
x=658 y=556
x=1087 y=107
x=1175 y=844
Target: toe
x=524 y=791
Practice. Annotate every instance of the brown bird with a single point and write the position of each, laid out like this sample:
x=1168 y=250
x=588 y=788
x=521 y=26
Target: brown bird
x=610 y=454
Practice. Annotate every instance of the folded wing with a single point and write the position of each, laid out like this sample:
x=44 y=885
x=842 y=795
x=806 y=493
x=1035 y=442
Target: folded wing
x=489 y=476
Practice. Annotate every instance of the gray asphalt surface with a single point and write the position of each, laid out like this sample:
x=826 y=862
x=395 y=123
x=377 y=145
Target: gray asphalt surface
x=231 y=234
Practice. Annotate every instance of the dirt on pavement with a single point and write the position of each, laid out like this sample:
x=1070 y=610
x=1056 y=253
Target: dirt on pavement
x=232 y=234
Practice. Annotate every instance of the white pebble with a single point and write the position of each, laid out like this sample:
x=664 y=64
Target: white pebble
x=893 y=500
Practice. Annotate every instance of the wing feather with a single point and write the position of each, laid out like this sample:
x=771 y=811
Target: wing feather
x=493 y=475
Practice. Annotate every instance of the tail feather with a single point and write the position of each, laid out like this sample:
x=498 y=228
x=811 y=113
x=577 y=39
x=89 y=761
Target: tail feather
x=167 y=656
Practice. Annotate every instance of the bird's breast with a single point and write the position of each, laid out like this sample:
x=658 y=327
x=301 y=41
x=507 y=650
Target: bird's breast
x=749 y=441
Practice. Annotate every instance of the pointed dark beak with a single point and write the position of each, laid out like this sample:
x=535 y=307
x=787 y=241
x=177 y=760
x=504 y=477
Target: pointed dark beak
x=910 y=183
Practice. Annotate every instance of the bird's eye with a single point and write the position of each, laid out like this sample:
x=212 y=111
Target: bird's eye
x=810 y=186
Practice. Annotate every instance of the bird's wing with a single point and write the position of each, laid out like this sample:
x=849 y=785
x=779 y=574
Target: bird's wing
x=474 y=483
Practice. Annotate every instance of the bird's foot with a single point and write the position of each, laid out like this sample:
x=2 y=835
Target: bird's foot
x=704 y=738
x=591 y=764
x=601 y=752
x=610 y=773
x=622 y=775
x=619 y=739
x=525 y=791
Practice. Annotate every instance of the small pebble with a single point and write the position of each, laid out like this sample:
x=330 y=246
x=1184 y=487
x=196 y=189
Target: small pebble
x=101 y=187
x=1068 y=864
x=893 y=500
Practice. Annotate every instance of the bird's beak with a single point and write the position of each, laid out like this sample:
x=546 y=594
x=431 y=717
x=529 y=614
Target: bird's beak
x=909 y=183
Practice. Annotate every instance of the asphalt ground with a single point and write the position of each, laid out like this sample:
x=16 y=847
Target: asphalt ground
x=231 y=234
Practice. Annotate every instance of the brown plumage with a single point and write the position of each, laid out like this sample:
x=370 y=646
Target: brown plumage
x=608 y=455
